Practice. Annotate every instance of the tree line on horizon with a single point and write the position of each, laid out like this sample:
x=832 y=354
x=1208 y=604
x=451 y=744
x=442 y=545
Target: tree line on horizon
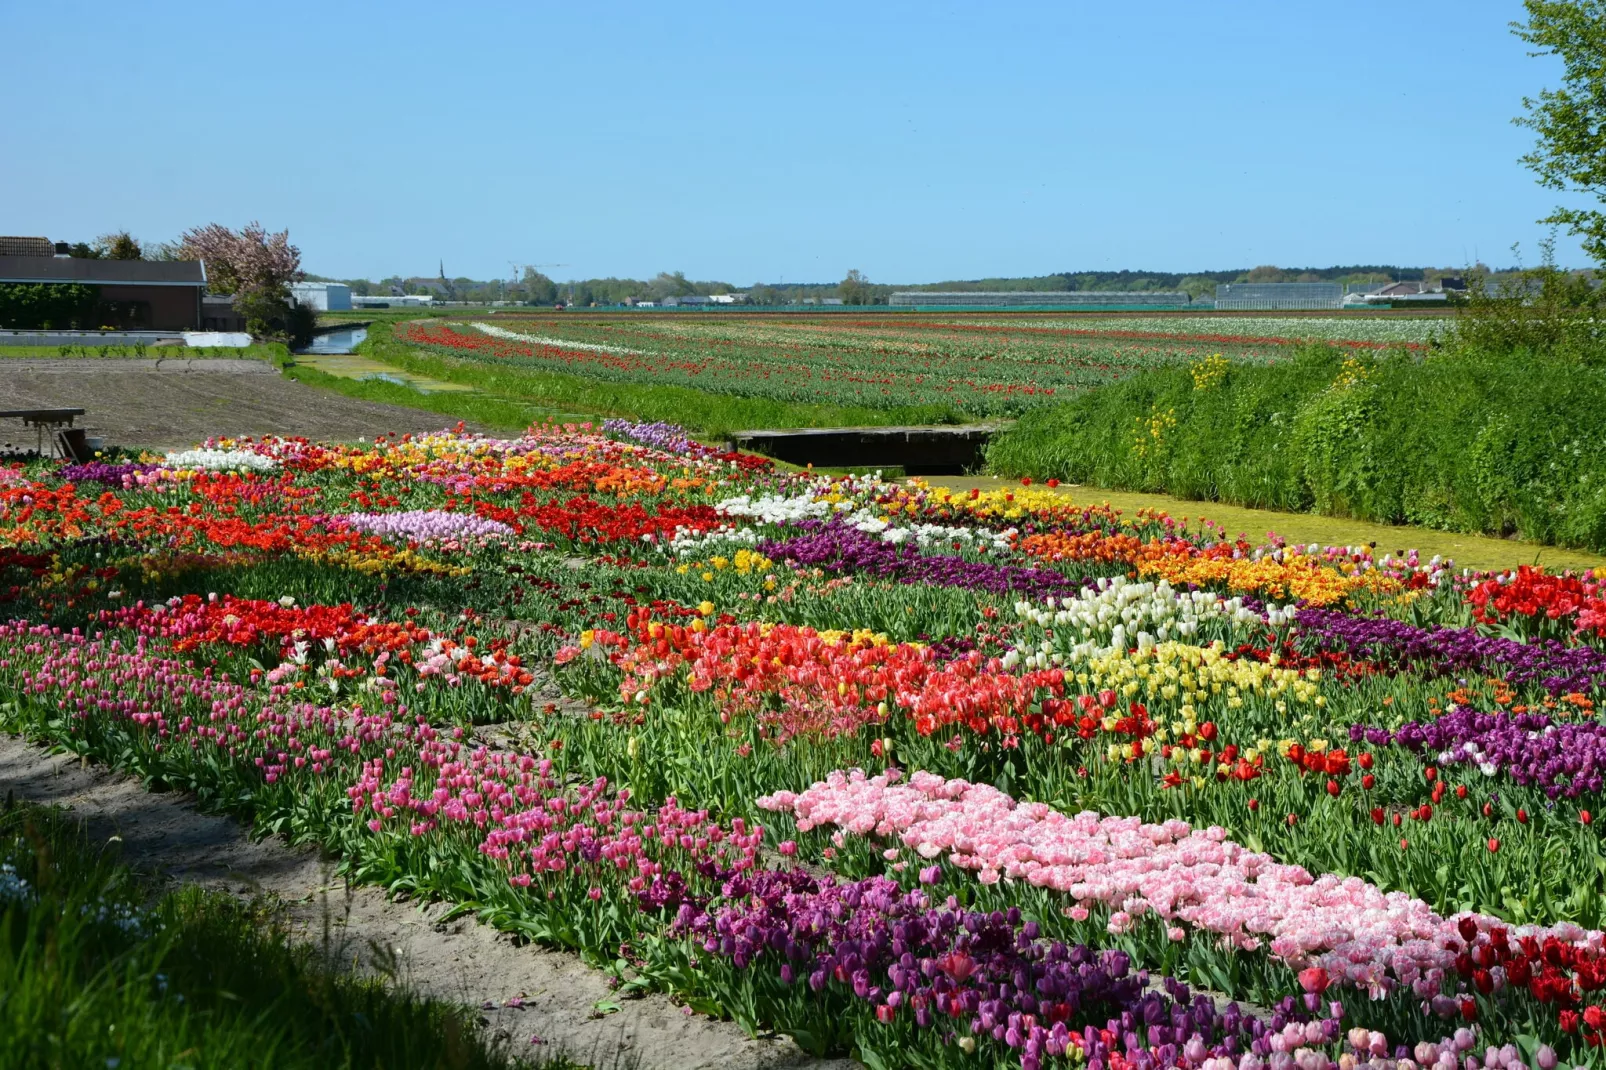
x=536 y=288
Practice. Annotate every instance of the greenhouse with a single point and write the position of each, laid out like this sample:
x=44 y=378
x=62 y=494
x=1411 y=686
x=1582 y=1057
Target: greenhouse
x=1279 y=295
x=1041 y=299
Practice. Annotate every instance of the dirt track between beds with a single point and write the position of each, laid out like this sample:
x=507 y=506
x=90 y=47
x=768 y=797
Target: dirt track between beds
x=175 y=404
x=523 y=991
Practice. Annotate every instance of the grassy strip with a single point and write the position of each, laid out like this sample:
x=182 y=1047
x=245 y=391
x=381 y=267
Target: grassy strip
x=504 y=414
x=1496 y=445
x=94 y=974
x=707 y=414
x=1468 y=551
x=274 y=353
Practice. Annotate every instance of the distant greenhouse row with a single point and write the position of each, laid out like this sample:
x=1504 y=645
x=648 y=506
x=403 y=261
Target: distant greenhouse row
x=1108 y=299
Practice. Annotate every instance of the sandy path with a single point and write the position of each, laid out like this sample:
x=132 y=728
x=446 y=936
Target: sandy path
x=174 y=404
x=459 y=960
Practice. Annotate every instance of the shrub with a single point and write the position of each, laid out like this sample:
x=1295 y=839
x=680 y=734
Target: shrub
x=1458 y=440
x=48 y=306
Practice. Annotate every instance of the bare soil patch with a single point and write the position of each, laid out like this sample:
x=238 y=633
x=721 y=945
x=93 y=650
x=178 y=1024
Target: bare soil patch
x=523 y=991
x=174 y=404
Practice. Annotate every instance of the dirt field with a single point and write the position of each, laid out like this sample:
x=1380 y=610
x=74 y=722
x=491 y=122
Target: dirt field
x=174 y=404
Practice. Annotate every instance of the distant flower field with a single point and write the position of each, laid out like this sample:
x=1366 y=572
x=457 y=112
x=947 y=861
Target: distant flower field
x=992 y=367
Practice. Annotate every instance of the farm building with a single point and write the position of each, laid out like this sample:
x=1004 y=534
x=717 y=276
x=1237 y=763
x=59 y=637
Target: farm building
x=390 y=301
x=1271 y=296
x=323 y=296
x=1041 y=299
x=141 y=294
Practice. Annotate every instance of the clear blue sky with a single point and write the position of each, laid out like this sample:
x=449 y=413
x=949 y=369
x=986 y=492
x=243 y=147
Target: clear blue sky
x=753 y=141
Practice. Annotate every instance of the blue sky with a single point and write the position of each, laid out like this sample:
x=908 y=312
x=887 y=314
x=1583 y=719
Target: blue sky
x=753 y=141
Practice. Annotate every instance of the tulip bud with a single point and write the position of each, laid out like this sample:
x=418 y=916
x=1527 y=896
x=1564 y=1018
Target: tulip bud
x=1545 y=1057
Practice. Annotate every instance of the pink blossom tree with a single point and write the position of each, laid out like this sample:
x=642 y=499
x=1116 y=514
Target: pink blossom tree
x=249 y=261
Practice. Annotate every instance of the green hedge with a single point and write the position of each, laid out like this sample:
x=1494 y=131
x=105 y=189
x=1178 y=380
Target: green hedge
x=1497 y=445
x=29 y=306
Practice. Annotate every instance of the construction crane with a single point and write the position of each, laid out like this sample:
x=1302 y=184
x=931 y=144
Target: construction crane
x=518 y=270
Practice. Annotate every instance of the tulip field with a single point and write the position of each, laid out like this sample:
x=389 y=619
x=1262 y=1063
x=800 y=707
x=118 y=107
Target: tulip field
x=934 y=779
x=983 y=367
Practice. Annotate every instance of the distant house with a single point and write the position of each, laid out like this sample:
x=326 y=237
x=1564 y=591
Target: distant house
x=1413 y=292
x=29 y=247
x=140 y=294
x=729 y=299
x=830 y=300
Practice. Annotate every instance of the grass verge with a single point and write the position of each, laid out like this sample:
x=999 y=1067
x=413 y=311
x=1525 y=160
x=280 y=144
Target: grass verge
x=97 y=973
x=1468 y=551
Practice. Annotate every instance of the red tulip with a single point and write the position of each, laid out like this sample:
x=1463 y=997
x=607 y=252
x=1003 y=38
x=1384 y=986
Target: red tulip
x=1494 y=845
x=1314 y=980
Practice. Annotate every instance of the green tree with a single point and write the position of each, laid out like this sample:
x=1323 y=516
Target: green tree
x=1571 y=121
x=119 y=246
x=538 y=289
x=855 y=289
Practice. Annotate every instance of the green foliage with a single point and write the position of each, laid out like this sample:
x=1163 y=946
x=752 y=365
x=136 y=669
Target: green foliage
x=48 y=306
x=1545 y=310
x=94 y=974
x=271 y=315
x=856 y=289
x=1461 y=441
x=1571 y=121
x=120 y=246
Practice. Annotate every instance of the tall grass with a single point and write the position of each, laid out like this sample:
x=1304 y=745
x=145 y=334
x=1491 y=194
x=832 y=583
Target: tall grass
x=1459 y=440
x=95 y=973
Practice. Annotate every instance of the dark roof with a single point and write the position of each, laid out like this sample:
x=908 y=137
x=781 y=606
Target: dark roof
x=26 y=247
x=102 y=272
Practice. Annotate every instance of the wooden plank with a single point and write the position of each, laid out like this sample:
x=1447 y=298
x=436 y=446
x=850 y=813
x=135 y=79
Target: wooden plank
x=40 y=415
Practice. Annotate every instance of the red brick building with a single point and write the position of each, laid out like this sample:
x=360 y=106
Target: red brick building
x=134 y=294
